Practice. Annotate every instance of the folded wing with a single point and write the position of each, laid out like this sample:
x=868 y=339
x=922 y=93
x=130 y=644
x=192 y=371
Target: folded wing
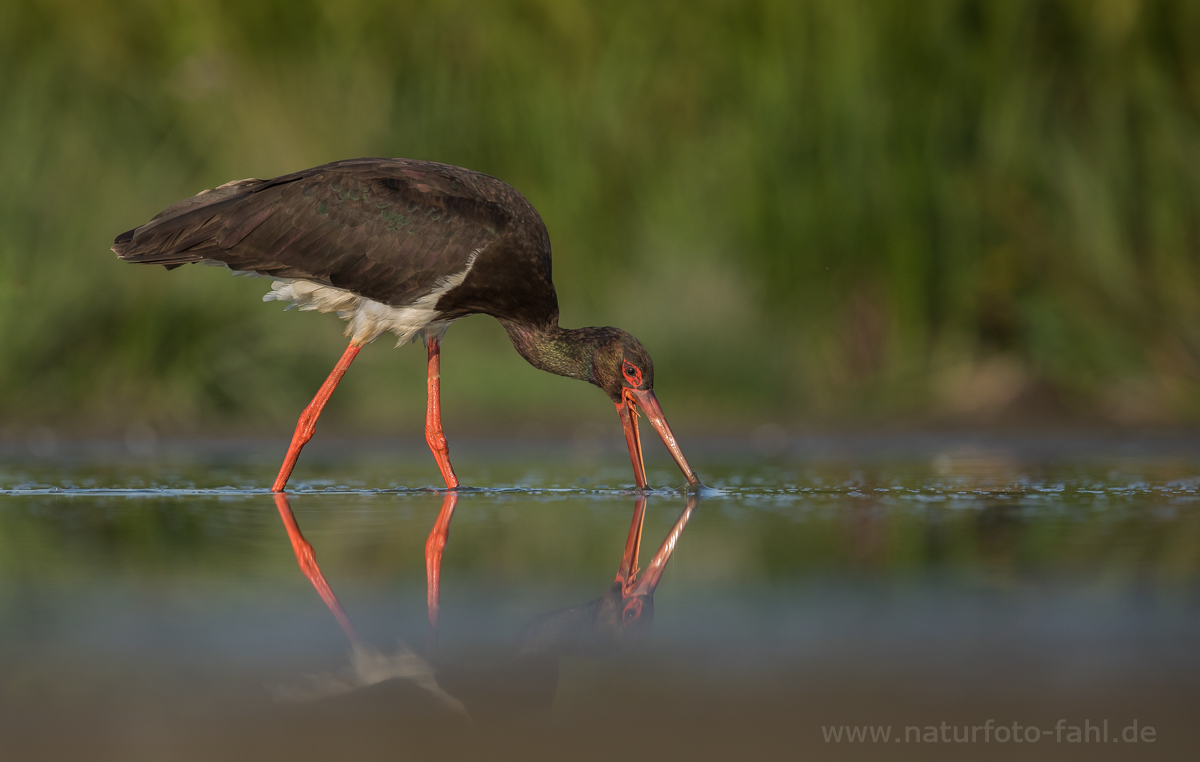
x=386 y=229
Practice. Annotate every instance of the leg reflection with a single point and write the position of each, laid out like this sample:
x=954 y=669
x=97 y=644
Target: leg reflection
x=367 y=666
x=308 y=564
x=433 y=558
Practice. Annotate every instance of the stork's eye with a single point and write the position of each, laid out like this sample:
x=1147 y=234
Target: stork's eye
x=632 y=611
x=632 y=373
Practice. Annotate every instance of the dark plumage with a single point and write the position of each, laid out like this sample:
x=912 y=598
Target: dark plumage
x=420 y=244
x=386 y=229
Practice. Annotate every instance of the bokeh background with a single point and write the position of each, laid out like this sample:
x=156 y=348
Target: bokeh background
x=820 y=213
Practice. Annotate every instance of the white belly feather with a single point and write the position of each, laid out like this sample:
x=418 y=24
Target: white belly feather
x=367 y=318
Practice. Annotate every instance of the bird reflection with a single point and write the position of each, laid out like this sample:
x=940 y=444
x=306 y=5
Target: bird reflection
x=526 y=681
x=599 y=626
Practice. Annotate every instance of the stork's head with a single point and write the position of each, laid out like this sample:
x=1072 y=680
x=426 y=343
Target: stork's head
x=624 y=370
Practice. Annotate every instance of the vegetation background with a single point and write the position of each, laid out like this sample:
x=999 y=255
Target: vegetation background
x=827 y=212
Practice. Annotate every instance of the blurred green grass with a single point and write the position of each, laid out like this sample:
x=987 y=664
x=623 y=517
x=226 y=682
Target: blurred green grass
x=831 y=211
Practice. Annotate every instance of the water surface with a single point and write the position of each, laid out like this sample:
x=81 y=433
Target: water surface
x=151 y=605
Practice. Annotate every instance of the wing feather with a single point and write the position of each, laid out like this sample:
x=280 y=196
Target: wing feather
x=387 y=229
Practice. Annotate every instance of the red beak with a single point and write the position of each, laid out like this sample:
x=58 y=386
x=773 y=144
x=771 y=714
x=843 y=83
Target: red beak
x=632 y=402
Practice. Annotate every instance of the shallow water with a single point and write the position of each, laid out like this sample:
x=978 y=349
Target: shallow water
x=151 y=606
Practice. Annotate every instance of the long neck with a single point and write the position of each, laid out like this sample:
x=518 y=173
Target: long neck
x=561 y=351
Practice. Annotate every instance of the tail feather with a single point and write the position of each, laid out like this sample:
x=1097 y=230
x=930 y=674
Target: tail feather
x=122 y=243
x=184 y=232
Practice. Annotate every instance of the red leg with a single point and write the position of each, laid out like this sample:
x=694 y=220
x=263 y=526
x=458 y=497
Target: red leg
x=433 y=415
x=308 y=419
x=433 y=555
x=308 y=564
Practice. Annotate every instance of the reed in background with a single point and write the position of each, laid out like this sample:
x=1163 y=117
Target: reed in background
x=849 y=211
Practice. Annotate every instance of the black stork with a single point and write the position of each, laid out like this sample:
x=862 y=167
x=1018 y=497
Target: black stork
x=409 y=247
